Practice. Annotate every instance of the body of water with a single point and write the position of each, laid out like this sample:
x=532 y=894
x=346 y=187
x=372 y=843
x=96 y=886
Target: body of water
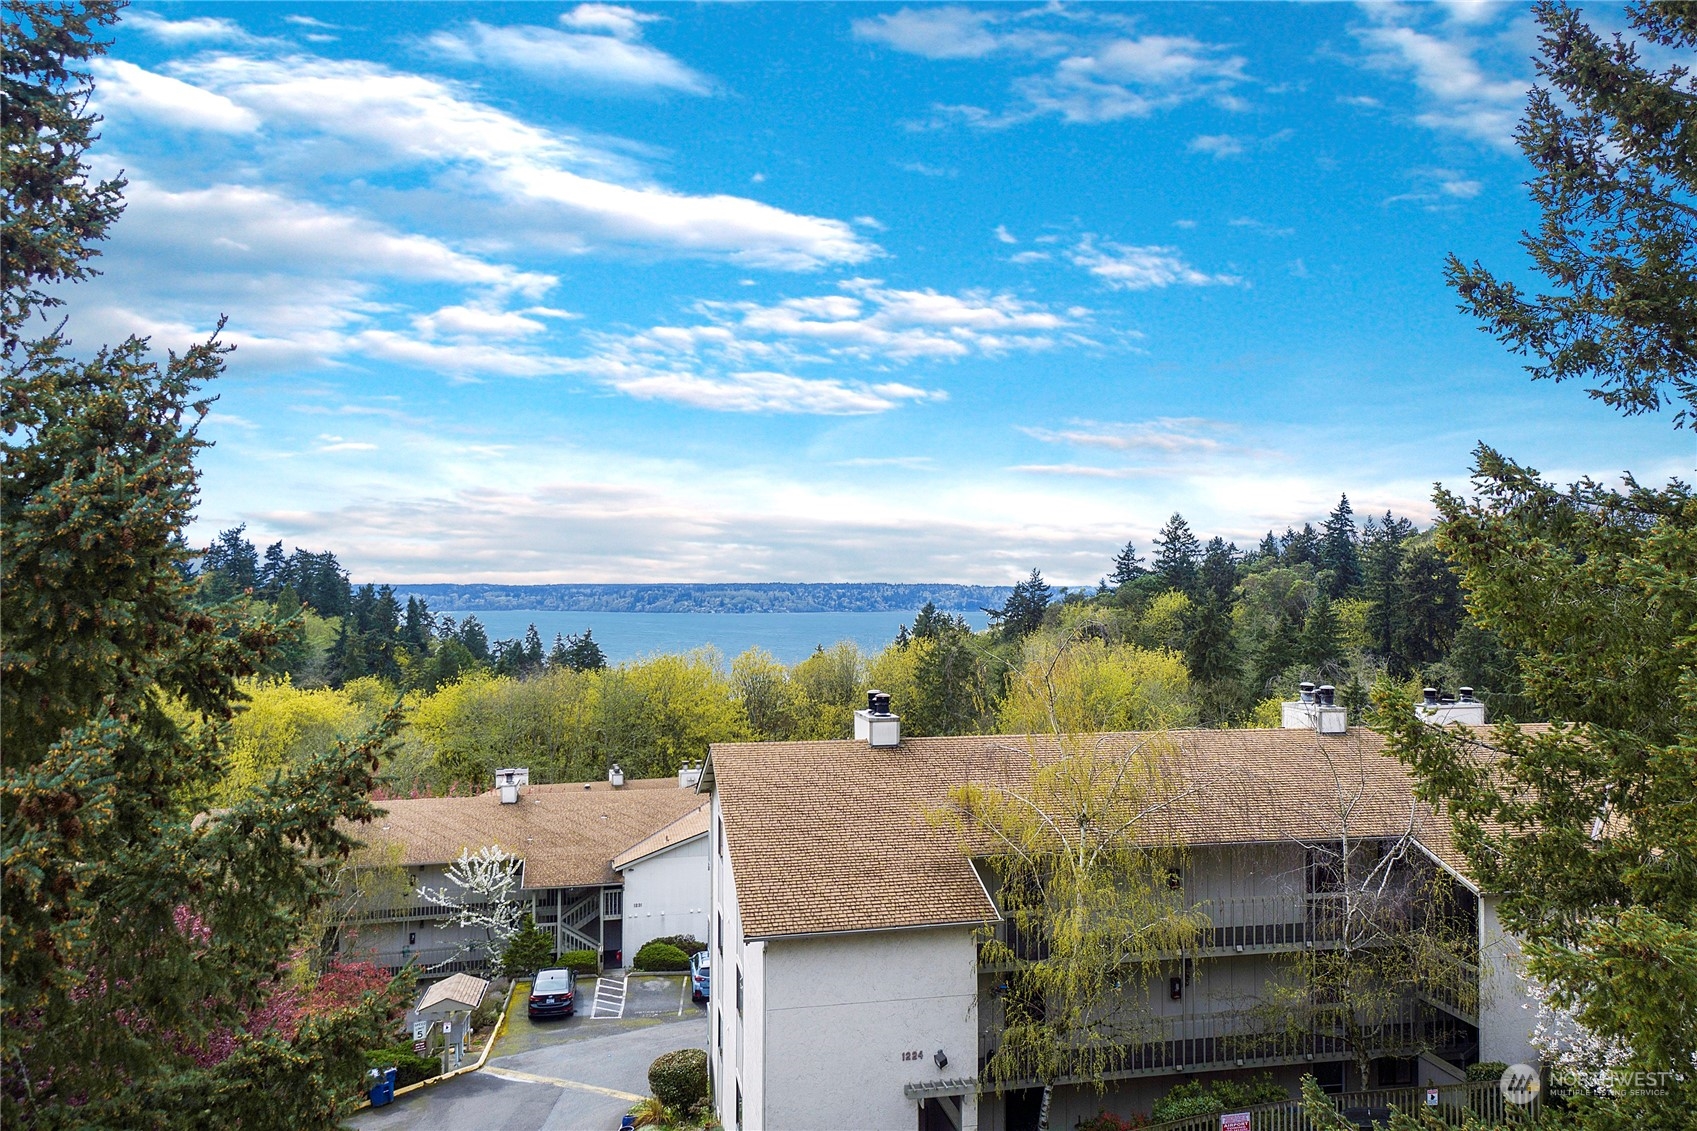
x=625 y=636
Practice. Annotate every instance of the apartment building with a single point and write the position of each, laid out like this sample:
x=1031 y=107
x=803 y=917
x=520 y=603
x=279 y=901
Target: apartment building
x=847 y=921
x=606 y=865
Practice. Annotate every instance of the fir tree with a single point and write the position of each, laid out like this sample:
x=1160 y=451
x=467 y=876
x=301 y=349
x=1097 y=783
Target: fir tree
x=584 y=654
x=1339 y=556
x=1218 y=575
x=1022 y=613
x=1177 y=554
x=273 y=572
x=1128 y=567
x=133 y=932
x=1321 y=642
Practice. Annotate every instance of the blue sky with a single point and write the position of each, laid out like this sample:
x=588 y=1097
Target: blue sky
x=542 y=292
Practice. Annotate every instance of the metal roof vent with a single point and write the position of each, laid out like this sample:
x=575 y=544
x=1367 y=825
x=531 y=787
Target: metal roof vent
x=1315 y=709
x=689 y=775
x=1442 y=710
x=508 y=782
x=615 y=775
x=876 y=726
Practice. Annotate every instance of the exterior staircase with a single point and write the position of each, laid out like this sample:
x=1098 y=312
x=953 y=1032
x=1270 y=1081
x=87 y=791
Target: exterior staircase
x=578 y=916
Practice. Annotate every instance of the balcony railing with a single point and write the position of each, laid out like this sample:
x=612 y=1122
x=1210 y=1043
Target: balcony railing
x=1483 y=1100
x=433 y=960
x=1211 y=1042
x=408 y=909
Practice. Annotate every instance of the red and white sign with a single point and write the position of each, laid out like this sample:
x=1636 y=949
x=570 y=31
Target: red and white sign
x=1234 y=1121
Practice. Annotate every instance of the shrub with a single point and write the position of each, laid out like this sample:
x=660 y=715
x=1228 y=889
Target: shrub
x=1194 y=1098
x=1105 y=1120
x=659 y=955
x=679 y=1079
x=528 y=951
x=1486 y=1070
x=579 y=961
x=689 y=944
x=486 y=1014
x=650 y=1113
x=411 y=1068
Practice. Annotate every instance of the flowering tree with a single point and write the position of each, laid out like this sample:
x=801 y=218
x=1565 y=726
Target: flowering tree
x=486 y=882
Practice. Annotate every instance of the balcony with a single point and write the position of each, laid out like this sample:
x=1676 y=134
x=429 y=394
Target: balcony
x=1237 y=926
x=420 y=909
x=1214 y=1042
x=432 y=961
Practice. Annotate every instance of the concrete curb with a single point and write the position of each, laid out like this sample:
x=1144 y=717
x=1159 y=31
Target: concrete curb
x=488 y=1047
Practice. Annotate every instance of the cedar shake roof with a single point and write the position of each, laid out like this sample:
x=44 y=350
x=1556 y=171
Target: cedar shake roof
x=687 y=827
x=835 y=836
x=567 y=834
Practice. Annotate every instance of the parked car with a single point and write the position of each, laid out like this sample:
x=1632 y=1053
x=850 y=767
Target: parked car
x=700 y=976
x=553 y=994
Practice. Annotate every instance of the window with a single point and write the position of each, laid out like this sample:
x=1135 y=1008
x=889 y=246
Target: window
x=739 y=989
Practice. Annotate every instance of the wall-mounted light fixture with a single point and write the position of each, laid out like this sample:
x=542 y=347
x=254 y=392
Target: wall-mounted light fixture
x=941 y=1058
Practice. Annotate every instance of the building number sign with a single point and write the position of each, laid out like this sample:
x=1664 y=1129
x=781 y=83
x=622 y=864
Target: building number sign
x=914 y=1054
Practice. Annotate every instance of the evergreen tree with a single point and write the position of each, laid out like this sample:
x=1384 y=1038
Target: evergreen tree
x=232 y=558
x=133 y=933
x=1128 y=567
x=273 y=573
x=584 y=654
x=1339 y=556
x=416 y=627
x=1614 y=158
x=559 y=659
x=1210 y=654
x=1178 y=553
x=1269 y=547
x=1022 y=613
x=473 y=639
x=932 y=622
x=1218 y=575
x=1321 y=642
x=532 y=650
x=1381 y=560
x=1430 y=611
x=1300 y=547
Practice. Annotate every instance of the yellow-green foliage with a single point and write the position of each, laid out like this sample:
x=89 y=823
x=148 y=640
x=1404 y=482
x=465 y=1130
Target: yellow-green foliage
x=1079 y=686
x=282 y=725
x=1162 y=625
x=1352 y=616
x=1267 y=713
x=896 y=670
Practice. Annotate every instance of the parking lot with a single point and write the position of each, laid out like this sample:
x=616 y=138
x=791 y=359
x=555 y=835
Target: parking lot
x=573 y=1072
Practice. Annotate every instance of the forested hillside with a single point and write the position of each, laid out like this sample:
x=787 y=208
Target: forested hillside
x=1196 y=633
x=724 y=597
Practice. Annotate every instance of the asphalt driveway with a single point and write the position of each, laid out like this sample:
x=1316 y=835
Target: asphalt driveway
x=574 y=1074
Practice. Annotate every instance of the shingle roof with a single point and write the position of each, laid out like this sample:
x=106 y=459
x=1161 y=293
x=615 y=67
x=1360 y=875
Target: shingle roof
x=459 y=989
x=835 y=836
x=687 y=827
x=567 y=834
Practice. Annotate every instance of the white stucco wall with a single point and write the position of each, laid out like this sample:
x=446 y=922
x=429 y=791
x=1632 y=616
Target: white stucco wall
x=1505 y=1013
x=738 y=1061
x=842 y=1012
x=667 y=894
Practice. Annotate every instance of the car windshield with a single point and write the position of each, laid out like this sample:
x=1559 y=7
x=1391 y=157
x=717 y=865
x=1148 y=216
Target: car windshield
x=701 y=961
x=553 y=981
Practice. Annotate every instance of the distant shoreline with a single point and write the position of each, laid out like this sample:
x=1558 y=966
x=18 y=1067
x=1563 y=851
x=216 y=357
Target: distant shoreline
x=714 y=597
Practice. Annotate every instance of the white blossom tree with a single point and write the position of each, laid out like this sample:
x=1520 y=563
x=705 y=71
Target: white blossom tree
x=486 y=882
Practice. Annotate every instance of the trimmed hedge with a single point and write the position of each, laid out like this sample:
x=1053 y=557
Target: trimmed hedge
x=689 y=944
x=579 y=961
x=411 y=1068
x=657 y=955
x=1486 y=1070
x=679 y=1079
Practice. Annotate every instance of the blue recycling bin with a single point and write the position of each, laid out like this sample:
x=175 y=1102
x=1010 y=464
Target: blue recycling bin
x=382 y=1087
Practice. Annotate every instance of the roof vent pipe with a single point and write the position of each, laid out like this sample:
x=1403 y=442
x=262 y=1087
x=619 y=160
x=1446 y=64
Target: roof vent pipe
x=1306 y=690
x=1431 y=694
x=616 y=776
x=1328 y=695
x=1466 y=694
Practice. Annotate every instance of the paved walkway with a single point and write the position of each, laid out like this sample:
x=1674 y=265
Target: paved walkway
x=575 y=1074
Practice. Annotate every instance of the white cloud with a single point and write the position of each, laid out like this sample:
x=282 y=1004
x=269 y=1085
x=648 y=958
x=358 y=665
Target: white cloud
x=1438 y=189
x=865 y=322
x=613 y=19
x=564 y=56
x=309 y=21
x=1133 y=268
x=925 y=170
x=935 y=33
x=756 y=391
x=1219 y=145
x=1082 y=65
x=1029 y=257
x=128 y=89
x=1005 y=236
x=1167 y=436
x=1445 y=65
x=200 y=29
x=411 y=120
